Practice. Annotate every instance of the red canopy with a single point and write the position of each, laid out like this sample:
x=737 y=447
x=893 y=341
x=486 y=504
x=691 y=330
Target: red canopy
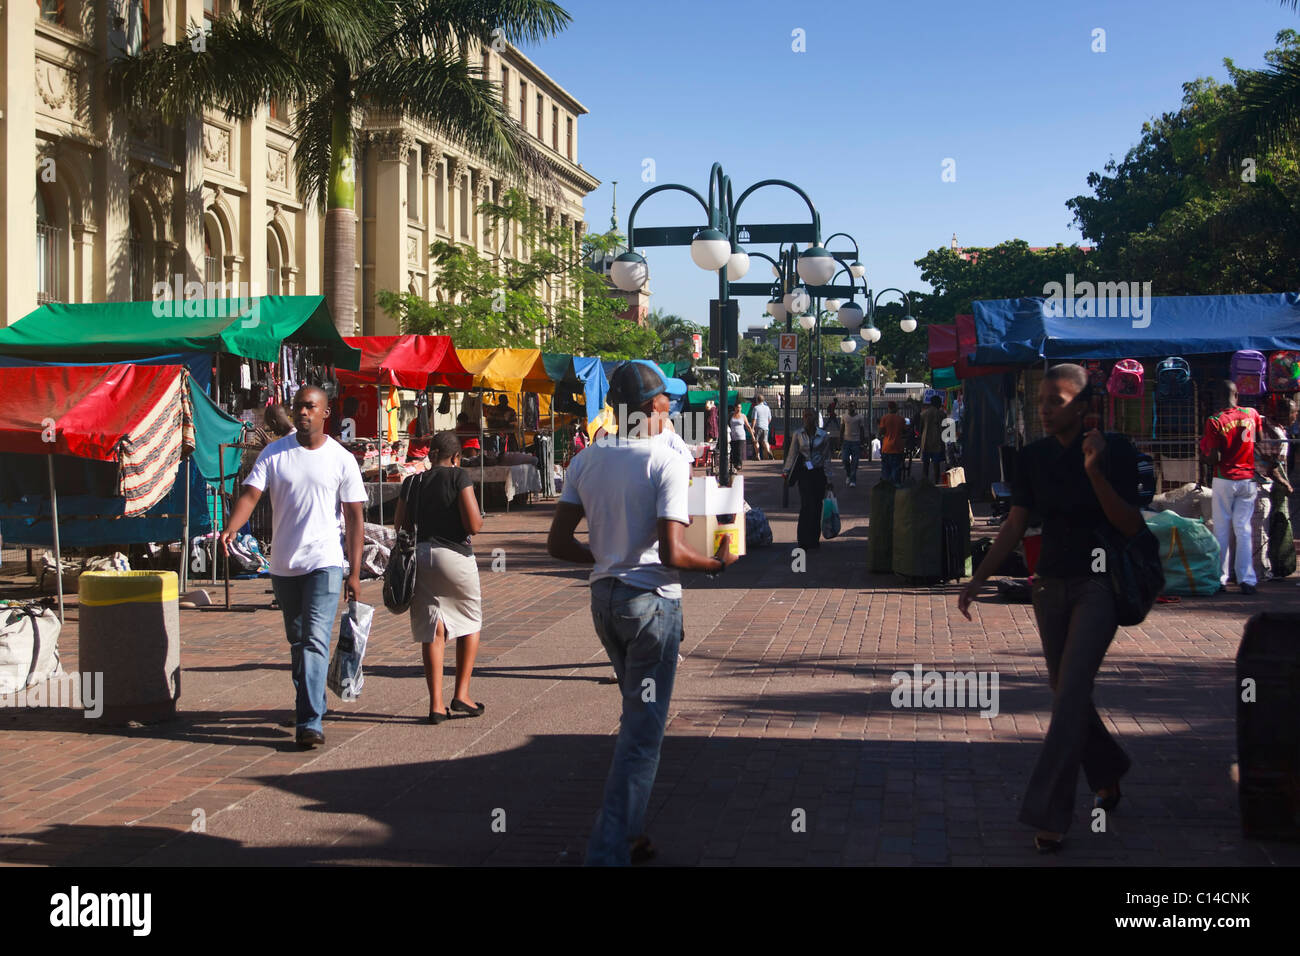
x=407 y=361
x=81 y=410
x=951 y=346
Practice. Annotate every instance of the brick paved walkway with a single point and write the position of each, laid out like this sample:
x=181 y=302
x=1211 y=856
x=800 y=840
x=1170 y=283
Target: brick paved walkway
x=781 y=712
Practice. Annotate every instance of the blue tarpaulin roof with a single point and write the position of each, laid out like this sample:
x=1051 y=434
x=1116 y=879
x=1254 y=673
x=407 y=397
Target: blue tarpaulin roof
x=1019 y=331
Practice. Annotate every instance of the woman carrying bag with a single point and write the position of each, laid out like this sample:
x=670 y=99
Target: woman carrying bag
x=440 y=505
x=1094 y=575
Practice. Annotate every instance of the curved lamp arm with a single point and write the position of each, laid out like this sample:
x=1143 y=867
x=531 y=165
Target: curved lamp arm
x=907 y=303
x=856 y=253
x=812 y=210
x=631 y=216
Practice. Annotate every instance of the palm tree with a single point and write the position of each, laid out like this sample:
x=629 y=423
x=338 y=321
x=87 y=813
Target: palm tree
x=332 y=59
x=674 y=333
x=1269 y=111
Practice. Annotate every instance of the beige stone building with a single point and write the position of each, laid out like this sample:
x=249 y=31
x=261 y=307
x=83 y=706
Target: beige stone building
x=95 y=208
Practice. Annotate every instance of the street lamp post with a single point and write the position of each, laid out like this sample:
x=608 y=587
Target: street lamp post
x=716 y=247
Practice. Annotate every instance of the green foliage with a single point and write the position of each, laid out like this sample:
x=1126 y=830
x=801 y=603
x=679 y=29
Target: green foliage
x=674 y=335
x=757 y=363
x=1196 y=207
x=495 y=299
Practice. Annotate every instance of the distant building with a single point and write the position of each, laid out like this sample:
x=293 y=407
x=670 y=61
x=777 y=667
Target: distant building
x=973 y=253
x=638 y=302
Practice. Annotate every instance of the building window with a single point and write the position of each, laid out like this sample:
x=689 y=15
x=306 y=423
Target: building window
x=568 y=134
x=275 y=110
x=52 y=11
x=464 y=205
x=539 y=117
x=211 y=258
x=413 y=204
x=139 y=261
x=523 y=103
x=273 y=262
x=439 y=191
x=555 y=128
x=505 y=87
x=49 y=241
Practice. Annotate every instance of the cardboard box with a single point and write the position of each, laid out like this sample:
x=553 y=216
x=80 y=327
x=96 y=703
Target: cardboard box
x=707 y=504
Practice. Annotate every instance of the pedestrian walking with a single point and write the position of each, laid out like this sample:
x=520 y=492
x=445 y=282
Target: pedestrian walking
x=631 y=488
x=439 y=506
x=1229 y=446
x=1274 y=484
x=317 y=500
x=1075 y=482
x=808 y=459
x=932 y=451
x=739 y=428
x=893 y=438
x=853 y=428
x=761 y=420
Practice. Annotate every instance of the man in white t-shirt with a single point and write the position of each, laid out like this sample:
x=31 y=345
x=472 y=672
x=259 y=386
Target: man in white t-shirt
x=316 y=493
x=761 y=416
x=631 y=488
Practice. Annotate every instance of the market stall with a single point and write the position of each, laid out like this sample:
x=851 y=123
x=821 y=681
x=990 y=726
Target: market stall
x=513 y=372
x=1152 y=361
x=114 y=439
x=417 y=362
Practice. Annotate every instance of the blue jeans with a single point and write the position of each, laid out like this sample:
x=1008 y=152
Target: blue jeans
x=641 y=632
x=310 y=603
x=851 y=454
x=891 y=467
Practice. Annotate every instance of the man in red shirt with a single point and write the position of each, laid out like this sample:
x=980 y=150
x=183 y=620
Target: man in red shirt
x=1229 y=446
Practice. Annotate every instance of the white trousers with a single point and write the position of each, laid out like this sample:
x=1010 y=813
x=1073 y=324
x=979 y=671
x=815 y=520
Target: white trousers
x=1234 y=507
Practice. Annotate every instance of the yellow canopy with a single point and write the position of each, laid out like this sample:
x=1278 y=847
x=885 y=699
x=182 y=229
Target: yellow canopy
x=507 y=370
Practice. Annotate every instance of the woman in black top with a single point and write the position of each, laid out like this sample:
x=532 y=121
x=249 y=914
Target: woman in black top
x=440 y=506
x=1076 y=482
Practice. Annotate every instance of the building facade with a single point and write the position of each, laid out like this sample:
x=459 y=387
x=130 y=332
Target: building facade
x=96 y=207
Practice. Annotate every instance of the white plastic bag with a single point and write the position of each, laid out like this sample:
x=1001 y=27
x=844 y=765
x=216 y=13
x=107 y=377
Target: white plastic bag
x=345 y=677
x=29 y=647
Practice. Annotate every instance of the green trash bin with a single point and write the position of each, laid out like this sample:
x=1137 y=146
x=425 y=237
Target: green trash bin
x=130 y=634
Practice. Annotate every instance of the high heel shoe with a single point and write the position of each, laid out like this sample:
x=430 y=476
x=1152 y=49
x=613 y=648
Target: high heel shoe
x=1108 y=803
x=1048 y=845
x=436 y=718
x=460 y=706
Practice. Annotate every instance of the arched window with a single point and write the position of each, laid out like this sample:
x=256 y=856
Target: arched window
x=274 y=262
x=139 y=256
x=211 y=254
x=49 y=244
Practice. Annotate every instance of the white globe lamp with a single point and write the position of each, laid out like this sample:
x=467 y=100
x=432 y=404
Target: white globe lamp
x=629 y=272
x=737 y=264
x=851 y=315
x=816 y=265
x=807 y=321
x=908 y=324
x=848 y=345
x=710 y=250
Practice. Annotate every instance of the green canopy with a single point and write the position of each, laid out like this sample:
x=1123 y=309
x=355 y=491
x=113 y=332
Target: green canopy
x=700 y=396
x=675 y=369
x=253 y=328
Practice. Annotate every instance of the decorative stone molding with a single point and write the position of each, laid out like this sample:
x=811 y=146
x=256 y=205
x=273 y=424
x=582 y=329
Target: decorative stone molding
x=412 y=248
x=56 y=86
x=455 y=170
x=153 y=180
x=481 y=187
x=277 y=167
x=392 y=145
x=431 y=160
x=216 y=145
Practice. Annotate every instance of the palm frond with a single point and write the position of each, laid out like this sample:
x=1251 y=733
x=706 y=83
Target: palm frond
x=456 y=101
x=240 y=66
x=442 y=22
x=352 y=29
x=312 y=125
x=1269 y=113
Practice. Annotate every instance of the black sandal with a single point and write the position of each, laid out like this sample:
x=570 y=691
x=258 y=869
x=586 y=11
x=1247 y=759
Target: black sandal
x=434 y=718
x=1108 y=803
x=642 y=850
x=463 y=708
x=1047 y=845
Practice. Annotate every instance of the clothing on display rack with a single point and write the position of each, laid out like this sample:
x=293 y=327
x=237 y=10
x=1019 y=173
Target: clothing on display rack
x=531 y=414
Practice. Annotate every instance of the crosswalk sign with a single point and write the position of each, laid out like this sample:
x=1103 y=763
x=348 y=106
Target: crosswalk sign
x=787 y=362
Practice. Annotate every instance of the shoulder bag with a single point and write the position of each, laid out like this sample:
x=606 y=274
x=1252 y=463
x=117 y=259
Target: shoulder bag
x=1136 y=574
x=399 y=576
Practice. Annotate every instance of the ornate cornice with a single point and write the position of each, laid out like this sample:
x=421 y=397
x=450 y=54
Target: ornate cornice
x=393 y=145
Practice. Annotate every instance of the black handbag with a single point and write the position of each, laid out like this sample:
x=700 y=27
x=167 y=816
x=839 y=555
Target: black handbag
x=399 y=576
x=1136 y=573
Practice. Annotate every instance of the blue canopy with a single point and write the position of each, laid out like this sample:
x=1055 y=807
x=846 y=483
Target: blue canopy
x=1020 y=331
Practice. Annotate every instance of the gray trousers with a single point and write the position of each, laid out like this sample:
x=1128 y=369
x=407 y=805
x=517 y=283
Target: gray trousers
x=1076 y=623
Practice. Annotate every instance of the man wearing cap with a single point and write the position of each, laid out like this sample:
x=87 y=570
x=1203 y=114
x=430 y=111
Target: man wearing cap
x=631 y=488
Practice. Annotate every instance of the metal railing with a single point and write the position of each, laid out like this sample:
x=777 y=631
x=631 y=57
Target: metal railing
x=49 y=243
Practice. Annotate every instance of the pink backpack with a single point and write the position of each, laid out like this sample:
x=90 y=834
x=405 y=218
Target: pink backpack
x=1249 y=370
x=1127 y=381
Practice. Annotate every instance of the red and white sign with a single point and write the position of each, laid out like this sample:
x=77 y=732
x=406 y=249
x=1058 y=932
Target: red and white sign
x=789 y=342
x=697 y=345
x=869 y=361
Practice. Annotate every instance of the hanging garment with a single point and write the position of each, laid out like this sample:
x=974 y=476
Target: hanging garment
x=422 y=413
x=531 y=414
x=391 y=406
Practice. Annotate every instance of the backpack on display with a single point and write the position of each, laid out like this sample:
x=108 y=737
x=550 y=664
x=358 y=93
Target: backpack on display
x=1284 y=372
x=1173 y=379
x=1096 y=374
x=1249 y=371
x=1127 y=381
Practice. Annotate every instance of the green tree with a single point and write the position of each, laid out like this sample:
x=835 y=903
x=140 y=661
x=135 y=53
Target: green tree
x=756 y=365
x=333 y=59
x=1181 y=212
x=492 y=299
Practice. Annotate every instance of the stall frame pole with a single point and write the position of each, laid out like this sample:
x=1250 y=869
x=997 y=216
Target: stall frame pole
x=58 y=550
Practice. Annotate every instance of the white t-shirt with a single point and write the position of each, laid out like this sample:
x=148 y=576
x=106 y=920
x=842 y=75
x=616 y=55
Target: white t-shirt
x=762 y=415
x=625 y=488
x=307 y=489
x=678 y=444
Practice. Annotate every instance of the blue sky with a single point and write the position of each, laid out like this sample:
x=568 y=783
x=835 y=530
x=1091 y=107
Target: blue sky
x=865 y=117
